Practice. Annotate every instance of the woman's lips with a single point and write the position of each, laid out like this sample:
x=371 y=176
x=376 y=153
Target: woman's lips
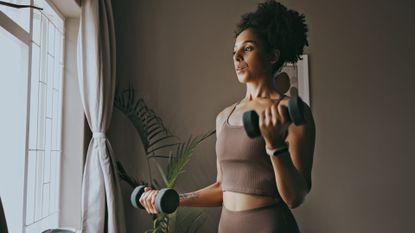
x=240 y=69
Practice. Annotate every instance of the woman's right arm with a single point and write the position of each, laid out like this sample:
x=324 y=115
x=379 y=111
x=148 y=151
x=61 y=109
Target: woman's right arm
x=209 y=196
x=206 y=197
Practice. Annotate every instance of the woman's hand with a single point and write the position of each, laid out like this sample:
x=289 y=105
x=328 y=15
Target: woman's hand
x=148 y=200
x=274 y=125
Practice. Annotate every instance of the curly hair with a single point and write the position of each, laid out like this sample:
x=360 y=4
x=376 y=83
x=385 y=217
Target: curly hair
x=279 y=27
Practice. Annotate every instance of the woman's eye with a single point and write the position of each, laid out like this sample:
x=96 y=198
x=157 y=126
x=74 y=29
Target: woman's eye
x=247 y=49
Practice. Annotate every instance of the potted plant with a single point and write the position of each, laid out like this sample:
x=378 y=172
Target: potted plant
x=160 y=144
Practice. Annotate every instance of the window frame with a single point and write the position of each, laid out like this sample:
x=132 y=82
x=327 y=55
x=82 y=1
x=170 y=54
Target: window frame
x=26 y=37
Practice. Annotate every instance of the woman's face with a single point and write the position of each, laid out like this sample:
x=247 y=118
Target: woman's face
x=252 y=62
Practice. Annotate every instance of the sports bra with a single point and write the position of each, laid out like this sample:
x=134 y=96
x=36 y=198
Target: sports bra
x=244 y=163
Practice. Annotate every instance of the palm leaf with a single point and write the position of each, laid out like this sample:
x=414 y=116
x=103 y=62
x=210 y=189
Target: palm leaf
x=156 y=137
x=183 y=153
x=149 y=126
x=133 y=182
x=163 y=175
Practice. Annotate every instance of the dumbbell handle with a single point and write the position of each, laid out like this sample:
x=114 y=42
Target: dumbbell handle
x=167 y=200
x=295 y=115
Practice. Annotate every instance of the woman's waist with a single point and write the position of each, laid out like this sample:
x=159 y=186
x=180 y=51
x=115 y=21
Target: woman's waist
x=236 y=201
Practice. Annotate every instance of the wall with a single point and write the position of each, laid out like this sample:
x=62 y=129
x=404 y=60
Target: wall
x=73 y=134
x=177 y=54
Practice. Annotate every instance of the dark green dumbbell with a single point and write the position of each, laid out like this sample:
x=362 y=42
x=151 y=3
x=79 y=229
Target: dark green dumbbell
x=167 y=200
x=295 y=115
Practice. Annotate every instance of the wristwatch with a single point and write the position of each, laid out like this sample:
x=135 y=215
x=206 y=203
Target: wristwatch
x=276 y=151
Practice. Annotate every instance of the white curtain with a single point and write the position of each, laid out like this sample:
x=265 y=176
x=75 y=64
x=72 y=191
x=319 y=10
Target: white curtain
x=102 y=209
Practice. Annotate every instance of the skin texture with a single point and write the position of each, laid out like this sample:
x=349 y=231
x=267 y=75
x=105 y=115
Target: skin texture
x=253 y=67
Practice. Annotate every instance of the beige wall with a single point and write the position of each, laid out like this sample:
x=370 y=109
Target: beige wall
x=73 y=135
x=178 y=55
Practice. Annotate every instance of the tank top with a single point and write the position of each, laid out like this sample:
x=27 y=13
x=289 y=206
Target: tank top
x=244 y=163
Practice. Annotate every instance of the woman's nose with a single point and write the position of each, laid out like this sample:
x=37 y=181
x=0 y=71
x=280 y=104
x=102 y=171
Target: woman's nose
x=237 y=56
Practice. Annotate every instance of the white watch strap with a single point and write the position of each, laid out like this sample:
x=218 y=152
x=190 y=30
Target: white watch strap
x=275 y=151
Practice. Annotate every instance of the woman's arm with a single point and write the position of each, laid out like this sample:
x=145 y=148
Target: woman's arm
x=293 y=168
x=209 y=196
x=206 y=197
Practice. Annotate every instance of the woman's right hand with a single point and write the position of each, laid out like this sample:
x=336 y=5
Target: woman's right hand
x=148 y=200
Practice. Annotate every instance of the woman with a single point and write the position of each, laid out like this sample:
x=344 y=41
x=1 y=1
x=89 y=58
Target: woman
x=259 y=180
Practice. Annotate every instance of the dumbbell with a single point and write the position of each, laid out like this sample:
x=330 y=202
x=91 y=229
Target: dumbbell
x=167 y=200
x=295 y=115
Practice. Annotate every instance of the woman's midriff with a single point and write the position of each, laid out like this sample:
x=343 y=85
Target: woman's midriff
x=240 y=201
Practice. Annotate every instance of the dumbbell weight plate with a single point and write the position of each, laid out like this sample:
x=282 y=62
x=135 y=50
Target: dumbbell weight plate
x=251 y=124
x=167 y=200
x=295 y=110
x=135 y=196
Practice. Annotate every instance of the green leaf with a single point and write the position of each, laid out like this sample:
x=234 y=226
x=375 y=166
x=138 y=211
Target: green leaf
x=182 y=157
x=163 y=176
x=155 y=137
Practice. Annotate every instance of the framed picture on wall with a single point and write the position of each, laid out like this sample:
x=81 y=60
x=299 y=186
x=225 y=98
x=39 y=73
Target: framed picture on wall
x=293 y=79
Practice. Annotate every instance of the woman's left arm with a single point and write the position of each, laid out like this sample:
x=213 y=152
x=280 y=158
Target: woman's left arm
x=293 y=168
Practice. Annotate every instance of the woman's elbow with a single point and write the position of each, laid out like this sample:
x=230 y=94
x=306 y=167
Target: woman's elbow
x=299 y=199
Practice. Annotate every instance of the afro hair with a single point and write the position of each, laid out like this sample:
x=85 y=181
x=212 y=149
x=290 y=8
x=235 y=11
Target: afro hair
x=280 y=28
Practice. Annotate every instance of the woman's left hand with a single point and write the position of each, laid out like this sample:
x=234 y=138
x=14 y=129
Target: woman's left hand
x=274 y=125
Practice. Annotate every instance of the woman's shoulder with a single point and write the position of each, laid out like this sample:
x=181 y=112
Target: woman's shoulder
x=223 y=114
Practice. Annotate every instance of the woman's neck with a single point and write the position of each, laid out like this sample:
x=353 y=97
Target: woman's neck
x=261 y=90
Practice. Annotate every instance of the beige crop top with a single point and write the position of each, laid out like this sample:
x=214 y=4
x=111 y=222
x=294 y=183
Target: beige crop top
x=244 y=163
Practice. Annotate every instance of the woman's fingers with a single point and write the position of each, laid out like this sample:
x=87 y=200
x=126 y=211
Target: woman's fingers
x=153 y=201
x=273 y=123
x=143 y=200
x=271 y=116
x=261 y=120
x=274 y=114
x=147 y=200
x=282 y=112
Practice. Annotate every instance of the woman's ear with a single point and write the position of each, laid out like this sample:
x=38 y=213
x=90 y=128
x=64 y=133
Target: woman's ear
x=275 y=56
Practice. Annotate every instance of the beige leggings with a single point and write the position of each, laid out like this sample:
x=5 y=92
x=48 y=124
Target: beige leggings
x=274 y=218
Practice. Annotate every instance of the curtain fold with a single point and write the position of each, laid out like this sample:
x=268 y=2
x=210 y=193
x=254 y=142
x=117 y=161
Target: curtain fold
x=3 y=223
x=102 y=208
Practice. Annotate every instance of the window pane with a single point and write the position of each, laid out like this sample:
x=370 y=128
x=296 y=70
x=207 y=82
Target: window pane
x=45 y=200
x=51 y=38
x=55 y=120
x=13 y=101
x=50 y=86
x=41 y=125
x=37 y=20
x=46 y=161
x=31 y=187
x=39 y=185
x=34 y=96
x=20 y=16
x=54 y=181
x=35 y=63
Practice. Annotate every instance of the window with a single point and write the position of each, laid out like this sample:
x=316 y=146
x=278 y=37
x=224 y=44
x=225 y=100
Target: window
x=20 y=17
x=13 y=102
x=32 y=66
